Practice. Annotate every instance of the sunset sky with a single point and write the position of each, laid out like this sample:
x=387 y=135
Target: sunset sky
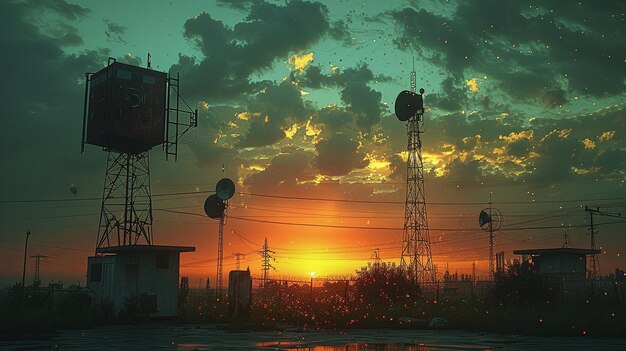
x=525 y=101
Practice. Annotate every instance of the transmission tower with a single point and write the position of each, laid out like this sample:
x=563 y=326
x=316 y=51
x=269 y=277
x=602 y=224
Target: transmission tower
x=126 y=212
x=38 y=258
x=594 y=263
x=238 y=256
x=266 y=262
x=416 y=256
x=375 y=257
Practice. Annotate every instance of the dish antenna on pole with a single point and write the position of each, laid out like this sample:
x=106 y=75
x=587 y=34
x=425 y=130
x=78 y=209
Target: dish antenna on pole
x=215 y=207
x=490 y=220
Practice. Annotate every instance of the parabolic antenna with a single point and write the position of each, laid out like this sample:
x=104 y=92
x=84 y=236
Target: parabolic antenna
x=490 y=219
x=408 y=104
x=214 y=207
x=225 y=189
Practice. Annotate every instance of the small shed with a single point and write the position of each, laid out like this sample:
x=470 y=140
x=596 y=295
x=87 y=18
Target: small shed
x=148 y=273
x=560 y=263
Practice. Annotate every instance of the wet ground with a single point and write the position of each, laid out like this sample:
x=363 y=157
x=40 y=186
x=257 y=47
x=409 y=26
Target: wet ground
x=188 y=338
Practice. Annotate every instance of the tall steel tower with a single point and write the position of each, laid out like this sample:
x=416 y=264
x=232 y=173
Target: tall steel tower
x=416 y=257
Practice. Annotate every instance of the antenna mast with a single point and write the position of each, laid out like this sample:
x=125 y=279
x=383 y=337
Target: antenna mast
x=416 y=256
x=594 y=264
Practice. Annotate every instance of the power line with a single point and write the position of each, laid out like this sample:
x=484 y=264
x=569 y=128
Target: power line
x=204 y=192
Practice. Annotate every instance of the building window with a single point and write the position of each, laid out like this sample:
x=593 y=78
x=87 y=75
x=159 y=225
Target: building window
x=96 y=272
x=163 y=260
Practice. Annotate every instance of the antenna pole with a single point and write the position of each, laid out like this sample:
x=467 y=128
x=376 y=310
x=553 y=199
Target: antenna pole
x=220 y=255
x=490 y=241
x=416 y=259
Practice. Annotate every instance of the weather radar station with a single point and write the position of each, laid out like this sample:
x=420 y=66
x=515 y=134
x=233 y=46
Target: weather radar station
x=416 y=259
x=128 y=111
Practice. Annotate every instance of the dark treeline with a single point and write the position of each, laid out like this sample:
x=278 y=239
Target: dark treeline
x=521 y=301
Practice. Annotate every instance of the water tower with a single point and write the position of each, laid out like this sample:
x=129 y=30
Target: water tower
x=128 y=111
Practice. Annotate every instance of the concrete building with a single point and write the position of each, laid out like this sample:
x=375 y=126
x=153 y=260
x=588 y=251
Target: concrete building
x=147 y=272
x=567 y=266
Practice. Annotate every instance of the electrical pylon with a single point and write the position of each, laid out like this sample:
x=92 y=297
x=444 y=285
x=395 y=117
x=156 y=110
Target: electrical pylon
x=266 y=265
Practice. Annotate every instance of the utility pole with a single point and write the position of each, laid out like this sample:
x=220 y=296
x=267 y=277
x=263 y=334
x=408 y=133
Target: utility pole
x=238 y=256
x=24 y=270
x=38 y=258
x=266 y=265
x=594 y=265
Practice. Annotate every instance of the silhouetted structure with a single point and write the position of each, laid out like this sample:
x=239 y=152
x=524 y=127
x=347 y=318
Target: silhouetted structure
x=128 y=110
x=239 y=292
x=147 y=274
x=416 y=257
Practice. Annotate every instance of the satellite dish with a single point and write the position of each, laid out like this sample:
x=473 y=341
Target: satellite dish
x=225 y=189
x=490 y=219
x=408 y=104
x=214 y=207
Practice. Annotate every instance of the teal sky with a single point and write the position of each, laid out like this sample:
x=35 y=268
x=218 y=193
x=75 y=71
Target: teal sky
x=525 y=100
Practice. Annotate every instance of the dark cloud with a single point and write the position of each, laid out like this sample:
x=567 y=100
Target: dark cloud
x=115 y=32
x=69 y=11
x=453 y=97
x=335 y=119
x=232 y=54
x=360 y=99
x=43 y=97
x=284 y=169
x=274 y=110
x=242 y=5
x=526 y=46
x=339 y=154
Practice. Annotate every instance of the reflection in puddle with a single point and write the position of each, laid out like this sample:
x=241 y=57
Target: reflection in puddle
x=281 y=345
x=392 y=347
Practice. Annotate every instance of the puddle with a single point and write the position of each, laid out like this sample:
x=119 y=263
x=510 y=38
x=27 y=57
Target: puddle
x=390 y=347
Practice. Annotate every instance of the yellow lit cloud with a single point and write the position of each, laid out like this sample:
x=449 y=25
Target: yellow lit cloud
x=203 y=105
x=302 y=61
x=289 y=133
x=608 y=135
x=512 y=137
x=472 y=84
x=245 y=116
x=589 y=144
